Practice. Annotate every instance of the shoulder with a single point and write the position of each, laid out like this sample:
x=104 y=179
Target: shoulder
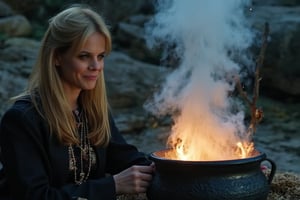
x=21 y=121
x=22 y=109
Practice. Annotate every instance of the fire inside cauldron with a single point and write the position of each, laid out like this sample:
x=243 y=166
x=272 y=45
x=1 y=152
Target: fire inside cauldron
x=240 y=179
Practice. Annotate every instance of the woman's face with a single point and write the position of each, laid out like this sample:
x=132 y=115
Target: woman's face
x=80 y=71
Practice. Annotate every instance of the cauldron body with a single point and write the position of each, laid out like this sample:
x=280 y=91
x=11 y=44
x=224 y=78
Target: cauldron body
x=240 y=179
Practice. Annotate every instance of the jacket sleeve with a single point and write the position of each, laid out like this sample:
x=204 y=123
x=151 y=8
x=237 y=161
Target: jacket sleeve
x=120 y=154
x=27 y=168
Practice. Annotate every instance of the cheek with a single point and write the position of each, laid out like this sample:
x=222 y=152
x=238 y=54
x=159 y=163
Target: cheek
x=72 y=66
x=70 y=69
x=102 y=65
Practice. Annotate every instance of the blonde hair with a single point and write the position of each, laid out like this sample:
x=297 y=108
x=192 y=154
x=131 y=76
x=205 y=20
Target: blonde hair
x=70 y=29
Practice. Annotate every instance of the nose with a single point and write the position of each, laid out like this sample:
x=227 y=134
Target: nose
x=96 y=64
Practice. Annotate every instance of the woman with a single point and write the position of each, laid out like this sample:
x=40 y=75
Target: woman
x=59 y=140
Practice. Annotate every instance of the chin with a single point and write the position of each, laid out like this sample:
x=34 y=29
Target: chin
x=89 y=87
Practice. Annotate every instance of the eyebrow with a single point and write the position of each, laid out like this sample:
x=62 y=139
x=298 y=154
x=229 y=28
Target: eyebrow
x=87 y=52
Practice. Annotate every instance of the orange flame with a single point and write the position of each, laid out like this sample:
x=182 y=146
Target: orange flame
x=182 y=152
x=205 y=130
x=245 y=149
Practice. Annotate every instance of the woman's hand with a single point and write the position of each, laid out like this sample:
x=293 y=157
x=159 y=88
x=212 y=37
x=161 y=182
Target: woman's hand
x=135 y=179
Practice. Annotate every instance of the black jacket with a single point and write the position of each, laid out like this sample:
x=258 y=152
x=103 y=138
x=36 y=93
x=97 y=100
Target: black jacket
x=36 y=164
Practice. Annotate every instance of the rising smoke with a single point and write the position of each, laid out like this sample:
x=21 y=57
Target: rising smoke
x=211 y=39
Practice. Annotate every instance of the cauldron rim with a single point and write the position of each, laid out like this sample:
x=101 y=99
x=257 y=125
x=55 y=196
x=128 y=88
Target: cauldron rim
x=254 y=159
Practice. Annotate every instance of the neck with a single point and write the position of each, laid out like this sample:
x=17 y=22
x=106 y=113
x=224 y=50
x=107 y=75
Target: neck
x=73 y=99
x=74 y=104
x=72 y=95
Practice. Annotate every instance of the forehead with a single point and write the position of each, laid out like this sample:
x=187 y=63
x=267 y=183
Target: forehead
x=94 y=42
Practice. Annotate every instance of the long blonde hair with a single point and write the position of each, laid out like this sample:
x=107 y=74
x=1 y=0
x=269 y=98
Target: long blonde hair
x=70 y=29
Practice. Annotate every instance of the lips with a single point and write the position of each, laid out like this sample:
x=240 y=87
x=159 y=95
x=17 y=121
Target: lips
x=91 y=77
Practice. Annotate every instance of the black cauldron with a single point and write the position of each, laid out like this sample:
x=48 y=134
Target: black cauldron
x=240 y=179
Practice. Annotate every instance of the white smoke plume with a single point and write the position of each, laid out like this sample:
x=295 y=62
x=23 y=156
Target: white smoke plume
x=211 y=38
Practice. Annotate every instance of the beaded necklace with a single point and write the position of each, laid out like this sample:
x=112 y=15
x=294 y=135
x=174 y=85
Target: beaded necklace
x=85 y=151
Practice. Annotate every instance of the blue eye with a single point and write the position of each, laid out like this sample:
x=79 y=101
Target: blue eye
x=101 y=56
x=83 y=56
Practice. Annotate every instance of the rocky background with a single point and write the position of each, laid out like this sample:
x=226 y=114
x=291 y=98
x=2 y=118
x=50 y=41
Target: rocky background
x=134 y=72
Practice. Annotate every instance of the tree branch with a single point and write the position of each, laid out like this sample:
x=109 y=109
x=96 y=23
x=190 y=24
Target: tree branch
x=256 y=114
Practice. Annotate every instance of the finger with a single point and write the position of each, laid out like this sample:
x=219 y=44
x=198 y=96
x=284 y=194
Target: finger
x=152 y=164
x=145 y=169
x=142 y=186
x=145 y=177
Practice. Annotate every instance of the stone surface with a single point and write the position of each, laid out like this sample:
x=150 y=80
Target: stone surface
x=280 y=71
x=129 y=81
x=5 y=10
x=16 y=25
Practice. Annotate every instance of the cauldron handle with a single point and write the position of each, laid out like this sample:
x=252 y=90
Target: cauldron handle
x=273 y=170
